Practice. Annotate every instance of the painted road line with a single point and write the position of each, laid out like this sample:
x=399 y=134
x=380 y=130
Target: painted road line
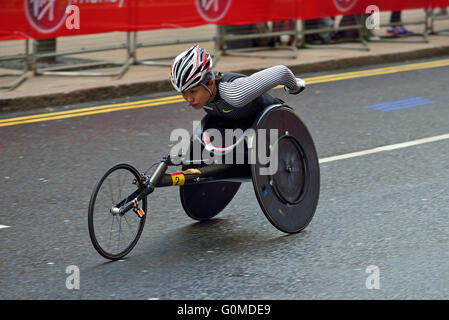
x=81 y=112
x=91 y=110
x=139 y=102
x=178 y=98
x=3 y=227
x=401 y=104
x=386 y=148
x=378 y=71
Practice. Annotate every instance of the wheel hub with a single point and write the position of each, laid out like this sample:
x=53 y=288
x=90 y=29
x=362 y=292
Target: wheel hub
x=289 y=183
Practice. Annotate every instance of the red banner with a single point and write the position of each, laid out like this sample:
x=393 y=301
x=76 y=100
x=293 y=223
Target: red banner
x=41 y=19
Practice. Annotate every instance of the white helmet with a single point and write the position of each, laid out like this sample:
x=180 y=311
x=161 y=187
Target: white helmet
x=190 y=68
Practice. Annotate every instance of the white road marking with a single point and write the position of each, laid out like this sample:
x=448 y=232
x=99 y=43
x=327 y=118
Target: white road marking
x=363 y=153
x=386 y=148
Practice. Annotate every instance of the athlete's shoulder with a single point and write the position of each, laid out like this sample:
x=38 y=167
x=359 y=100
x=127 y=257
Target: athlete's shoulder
x=229 y=76
x=218 y=73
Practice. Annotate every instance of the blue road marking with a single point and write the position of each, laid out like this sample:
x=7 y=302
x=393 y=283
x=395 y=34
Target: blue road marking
x=401 y=104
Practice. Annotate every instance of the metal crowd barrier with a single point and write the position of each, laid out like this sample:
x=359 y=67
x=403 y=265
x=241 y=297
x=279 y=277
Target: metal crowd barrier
x=149 y=47
x=73 y=64
x=249 y=40
x=145 y=44
x=436 y=17
x=15 y=63
x=335 y=30
x=406 y=22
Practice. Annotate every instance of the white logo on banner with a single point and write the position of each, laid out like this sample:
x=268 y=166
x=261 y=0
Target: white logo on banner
x=212 y=10
x=344 y=5
x=46 y=16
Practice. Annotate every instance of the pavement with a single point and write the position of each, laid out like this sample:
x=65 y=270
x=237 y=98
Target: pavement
x=50 y=91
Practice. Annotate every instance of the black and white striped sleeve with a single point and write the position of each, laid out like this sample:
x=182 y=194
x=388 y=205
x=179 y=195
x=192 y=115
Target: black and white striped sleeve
x=241 y=91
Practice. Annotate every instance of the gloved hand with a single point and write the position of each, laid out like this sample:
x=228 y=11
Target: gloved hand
x=301 y=86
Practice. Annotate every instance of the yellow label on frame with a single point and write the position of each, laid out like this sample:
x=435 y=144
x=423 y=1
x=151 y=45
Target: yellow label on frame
x=178 y=179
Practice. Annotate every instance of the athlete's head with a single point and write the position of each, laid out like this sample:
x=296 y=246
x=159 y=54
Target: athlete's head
x=191 y=74
x=191 y=68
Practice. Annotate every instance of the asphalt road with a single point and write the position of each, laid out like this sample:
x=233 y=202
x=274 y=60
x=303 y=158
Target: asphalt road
x=388 y=209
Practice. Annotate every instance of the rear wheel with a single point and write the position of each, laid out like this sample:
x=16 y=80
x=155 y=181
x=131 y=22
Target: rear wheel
x=289 y=195
x=204 y=201
x=112 y=233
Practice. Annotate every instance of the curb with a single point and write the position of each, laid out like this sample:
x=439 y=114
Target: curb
x=144 y=87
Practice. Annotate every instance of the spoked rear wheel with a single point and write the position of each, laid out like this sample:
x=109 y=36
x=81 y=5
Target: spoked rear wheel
x=114 y=234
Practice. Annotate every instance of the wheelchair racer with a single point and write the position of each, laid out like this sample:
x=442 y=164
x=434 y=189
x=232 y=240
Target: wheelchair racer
x=228 y=95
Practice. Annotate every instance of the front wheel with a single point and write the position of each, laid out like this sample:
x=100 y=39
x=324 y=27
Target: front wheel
x=112 y=233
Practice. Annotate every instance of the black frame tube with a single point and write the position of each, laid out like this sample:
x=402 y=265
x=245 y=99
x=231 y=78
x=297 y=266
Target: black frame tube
x=210 y=173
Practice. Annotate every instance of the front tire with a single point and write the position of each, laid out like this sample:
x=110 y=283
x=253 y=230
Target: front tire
x=114 y=235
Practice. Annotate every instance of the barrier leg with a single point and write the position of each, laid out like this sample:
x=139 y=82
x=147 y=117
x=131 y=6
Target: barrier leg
x=20 y=76
x=437 y=17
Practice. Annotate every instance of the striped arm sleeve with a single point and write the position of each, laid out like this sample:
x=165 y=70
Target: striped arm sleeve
x=241 y=91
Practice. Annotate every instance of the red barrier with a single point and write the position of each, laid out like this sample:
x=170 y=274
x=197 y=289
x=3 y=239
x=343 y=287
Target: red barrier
x=330 y=8
x=41 y=19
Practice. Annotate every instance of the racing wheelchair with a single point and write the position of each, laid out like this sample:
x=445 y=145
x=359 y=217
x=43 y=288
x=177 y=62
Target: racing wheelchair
x=288 y=196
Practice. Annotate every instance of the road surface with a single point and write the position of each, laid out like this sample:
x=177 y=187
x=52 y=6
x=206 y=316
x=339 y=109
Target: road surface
x=380 y=230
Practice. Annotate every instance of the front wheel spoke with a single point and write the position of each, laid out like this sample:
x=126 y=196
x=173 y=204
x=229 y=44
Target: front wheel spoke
x=119 y=231
x=133 y=234
x=110 y=192
x=110 y=231
x=108 y=215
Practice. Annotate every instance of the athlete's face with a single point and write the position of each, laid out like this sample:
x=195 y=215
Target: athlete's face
x=198 y=96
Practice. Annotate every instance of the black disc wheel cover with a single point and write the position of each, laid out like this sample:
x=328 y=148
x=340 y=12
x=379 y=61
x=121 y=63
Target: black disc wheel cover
x=289 y=196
